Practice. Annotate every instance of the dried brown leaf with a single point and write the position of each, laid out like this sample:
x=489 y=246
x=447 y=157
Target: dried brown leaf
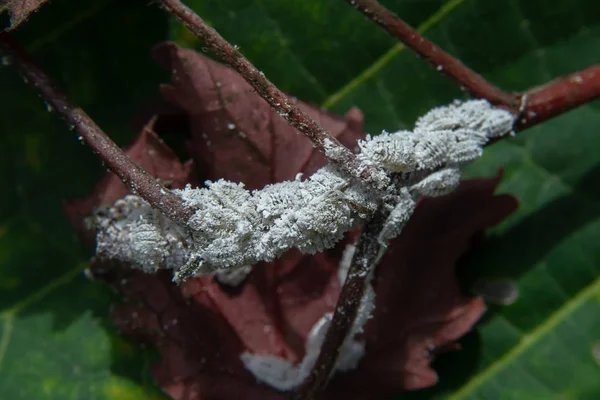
x=202 y=327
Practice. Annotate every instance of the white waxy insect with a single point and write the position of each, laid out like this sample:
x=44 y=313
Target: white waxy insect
x=236 y=228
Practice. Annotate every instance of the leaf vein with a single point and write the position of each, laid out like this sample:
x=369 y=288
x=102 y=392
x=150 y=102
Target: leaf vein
x=44 y=291
x=382 y=61
x=560 y=315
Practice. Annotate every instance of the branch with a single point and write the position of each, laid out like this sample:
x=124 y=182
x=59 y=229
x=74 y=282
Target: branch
x=438 y=58
x=532 y=107
x=366 y=256
x=559 y=96
x=118 y=162
x=321 y=138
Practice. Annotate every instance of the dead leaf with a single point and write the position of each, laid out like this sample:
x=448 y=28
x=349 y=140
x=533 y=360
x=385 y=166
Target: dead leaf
x=202 y=327
x=201 y=330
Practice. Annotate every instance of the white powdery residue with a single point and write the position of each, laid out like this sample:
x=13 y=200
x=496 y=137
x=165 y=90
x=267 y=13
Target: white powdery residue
x=394 y=152
x=406 y=151
x=353 y=350
x=338 y=153
x=280 y=373
x=478 y=117
x=333 y=151
x=233 y=277
x=235 y=228
x=403 y=207
x=224 y=220
x=345 y=263
x=135 y=233
x=438 y=183
x=453 y=134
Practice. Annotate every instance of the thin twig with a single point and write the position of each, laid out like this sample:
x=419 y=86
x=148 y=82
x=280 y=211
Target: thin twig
x=438 y=58
x=287 y=108
x=532 y=107
x=366 y=256
x=559 y=96
x=118 y=162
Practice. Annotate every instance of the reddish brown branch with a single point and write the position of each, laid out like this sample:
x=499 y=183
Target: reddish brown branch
x=532 y=107
x=365 y=257
x=559 y=96
x=287 y=108
x=438 y=58
x=129 y=172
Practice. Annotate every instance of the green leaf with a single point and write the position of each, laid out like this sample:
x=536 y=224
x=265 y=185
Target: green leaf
x=56 y=339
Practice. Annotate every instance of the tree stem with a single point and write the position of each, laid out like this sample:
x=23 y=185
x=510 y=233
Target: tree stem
x=130 y=173
x=366 y=256
x=559 y=96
